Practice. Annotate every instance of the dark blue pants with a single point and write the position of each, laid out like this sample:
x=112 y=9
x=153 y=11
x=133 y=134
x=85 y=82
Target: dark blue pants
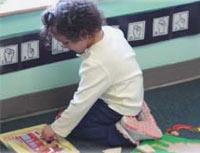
x=98 y=125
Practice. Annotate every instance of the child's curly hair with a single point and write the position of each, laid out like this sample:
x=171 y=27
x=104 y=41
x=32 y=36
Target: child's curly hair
x=75 y=19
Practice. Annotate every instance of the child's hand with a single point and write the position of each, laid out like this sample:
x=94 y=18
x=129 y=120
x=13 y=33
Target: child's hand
x=48 y=134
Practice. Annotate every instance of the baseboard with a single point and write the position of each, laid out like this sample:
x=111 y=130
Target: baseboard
x=171 y=74
x=33 y=103
x=50 y=100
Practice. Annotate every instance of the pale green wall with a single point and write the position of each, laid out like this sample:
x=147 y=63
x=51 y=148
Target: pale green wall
x=20 y=23
x=169 y=52
x=66 y=72
x=39 y=78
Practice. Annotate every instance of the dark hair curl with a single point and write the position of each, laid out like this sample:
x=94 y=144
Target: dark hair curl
x=75 y=19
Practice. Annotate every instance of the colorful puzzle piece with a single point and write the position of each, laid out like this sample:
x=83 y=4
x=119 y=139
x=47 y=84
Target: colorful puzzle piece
x=29 y=140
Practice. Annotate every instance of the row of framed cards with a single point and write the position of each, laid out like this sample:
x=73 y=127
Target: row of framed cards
x=29 y=51
x=140 y=28
x=136 y=30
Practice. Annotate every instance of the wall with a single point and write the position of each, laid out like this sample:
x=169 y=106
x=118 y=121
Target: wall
x=65 y=73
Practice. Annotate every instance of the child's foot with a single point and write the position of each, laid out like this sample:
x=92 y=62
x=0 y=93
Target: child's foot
x=139 y=128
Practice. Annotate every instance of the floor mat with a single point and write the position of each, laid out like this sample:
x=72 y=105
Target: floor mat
x=170 y=105
x=173 y=144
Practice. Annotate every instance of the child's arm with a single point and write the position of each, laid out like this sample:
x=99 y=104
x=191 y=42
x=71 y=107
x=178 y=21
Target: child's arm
x=94 y=81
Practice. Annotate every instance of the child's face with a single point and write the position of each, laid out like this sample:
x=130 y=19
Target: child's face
x=78 y=46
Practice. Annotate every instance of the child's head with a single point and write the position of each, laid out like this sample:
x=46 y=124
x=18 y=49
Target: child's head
x=72 y=22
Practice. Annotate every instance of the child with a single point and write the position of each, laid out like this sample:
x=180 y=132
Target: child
x=111 y=82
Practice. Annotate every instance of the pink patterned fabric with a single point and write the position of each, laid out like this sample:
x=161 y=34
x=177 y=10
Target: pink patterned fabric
x=140 y=127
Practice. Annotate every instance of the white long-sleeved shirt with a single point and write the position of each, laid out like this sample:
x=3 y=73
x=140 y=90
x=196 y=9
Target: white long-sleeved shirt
x=109 y=71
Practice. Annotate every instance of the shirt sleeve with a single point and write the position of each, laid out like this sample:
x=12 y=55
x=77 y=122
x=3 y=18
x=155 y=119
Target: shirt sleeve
x=94 y=81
